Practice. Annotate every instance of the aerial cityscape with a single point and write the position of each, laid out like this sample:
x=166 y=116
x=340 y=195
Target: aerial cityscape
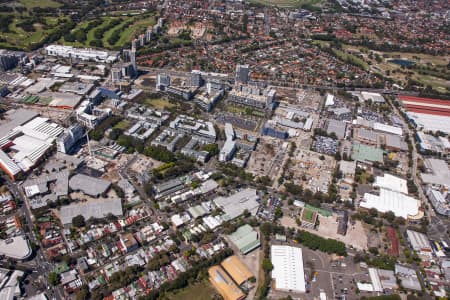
x=224 y=149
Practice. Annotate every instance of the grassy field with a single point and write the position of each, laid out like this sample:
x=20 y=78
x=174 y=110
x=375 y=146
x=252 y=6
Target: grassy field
x=123 y=125
x=199 y=291
x=158 y=103
x=287 y=3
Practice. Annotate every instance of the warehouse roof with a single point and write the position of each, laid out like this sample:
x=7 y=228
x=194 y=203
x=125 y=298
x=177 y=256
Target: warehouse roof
x=237 y=269
x=364 y=153
x=224 y=285
x=197 y=211
x=16 y=247
x=365 y=134
x=338 y=127
x=234 y=205
x=391 y=182
x=440 y=174
x=288 y=270
x=419 y=241
x=89 y=185
x=245 y=238
x=91 y=209
x=387 y=128
x=16 y=118
x=400 y=204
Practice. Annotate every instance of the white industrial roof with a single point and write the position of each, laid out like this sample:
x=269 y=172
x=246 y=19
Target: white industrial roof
x=365 y=287
x=375 y=97
x=329 y=100
x=419 y=241
x=288 y=270
x=92 y=208
x=376 y=281
x=431 y=122
x=400 y=204
x=235 y=204
x=16 y=247
x=387 y=128
x=8 y=163
x=440 y=172
x=392 y=183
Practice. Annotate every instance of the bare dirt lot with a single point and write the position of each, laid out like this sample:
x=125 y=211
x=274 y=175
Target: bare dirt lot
x=267 y=159
x=356 y=236
x=308 y=169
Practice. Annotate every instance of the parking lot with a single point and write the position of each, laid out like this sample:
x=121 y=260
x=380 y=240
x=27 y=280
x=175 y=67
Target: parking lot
x=325 y=145
x=336 y=276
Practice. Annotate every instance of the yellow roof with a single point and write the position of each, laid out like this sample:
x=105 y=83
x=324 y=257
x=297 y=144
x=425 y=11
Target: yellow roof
x=236 y=269
x=224 y=285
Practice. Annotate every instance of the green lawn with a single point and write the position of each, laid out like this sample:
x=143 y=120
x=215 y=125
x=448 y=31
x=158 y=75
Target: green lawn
x=308 y=215
x=123 y=125
x=40 y=3
x=287 y=3
x=198 y=291
x=159 y=103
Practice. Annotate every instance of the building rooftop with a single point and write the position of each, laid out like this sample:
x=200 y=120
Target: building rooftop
x=245 y=238
x=365 y=153
x=224 y=284
x=91 y=209
x=89 y=185
x=439 y=172
x=236 y=269
x=419 y=241
x=391 y=182
x=288 y=270
x=16 y=247
x=235 y=205
x=400 y=204
x=338 y=127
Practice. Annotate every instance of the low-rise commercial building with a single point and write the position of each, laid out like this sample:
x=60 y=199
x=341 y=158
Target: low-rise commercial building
x=16 y=247
x=288 y=272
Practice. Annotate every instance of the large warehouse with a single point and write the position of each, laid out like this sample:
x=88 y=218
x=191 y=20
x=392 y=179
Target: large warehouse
x=400 y=204
x=426 y=113
x=288 y=270
x=24 y=140
x=236 y=204
x=224 y=284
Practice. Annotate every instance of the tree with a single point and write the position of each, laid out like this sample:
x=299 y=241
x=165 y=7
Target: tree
x=53 y=278
x=212 y=149
x=82 y=294
x=267 y=265
x=78 y=221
